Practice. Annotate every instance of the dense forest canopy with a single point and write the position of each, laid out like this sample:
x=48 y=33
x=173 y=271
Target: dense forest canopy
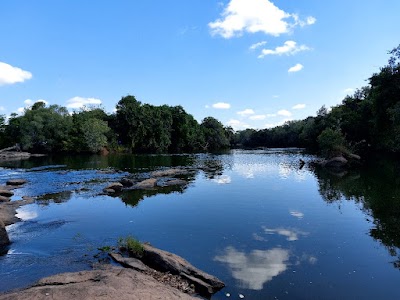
x=368 y=120
x=135 y=127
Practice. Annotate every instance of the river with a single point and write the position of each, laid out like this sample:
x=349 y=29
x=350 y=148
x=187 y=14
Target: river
x=266 y=227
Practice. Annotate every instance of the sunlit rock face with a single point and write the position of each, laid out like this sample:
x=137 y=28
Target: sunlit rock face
x=254 y=269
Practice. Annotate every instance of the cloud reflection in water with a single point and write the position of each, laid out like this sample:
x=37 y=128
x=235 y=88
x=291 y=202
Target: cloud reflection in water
x=256 y=268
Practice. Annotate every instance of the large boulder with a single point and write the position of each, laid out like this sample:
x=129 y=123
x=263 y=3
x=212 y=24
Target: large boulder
x=168 y=262
x=116 y=186
x=127 y=182
x=146 y=184
x=4 y=240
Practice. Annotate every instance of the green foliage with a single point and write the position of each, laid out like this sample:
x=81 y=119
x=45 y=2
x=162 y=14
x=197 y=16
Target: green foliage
x=94 y=131
x=331 y=142
x=41 y=129
x=214 y=133
x=131 y=245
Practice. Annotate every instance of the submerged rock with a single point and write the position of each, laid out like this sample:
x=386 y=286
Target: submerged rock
x=4 y=199
x=169 y=173
x=6 y=193
x=174 y=182
x=16 y=182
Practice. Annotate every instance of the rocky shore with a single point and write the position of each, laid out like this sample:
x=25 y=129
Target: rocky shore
x=157 y=274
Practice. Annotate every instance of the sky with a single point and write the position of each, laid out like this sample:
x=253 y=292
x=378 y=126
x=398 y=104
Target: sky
x=248 y=63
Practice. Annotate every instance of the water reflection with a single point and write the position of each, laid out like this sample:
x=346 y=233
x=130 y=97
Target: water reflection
x=291 y=234
x=256 y=268
x=224 y=179
x=377 y=190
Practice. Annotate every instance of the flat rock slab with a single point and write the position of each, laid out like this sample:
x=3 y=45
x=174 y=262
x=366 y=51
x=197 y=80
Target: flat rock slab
x=174 y=182
x=109 y=284
x=169 y=172
x=16 y=182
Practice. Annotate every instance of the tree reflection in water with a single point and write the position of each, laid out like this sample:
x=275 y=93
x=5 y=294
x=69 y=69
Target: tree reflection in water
x=376 y=188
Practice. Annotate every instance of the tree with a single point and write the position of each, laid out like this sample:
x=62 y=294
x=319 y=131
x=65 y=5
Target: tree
x=331 y=142
x=130 y=128
x=94 y=131
x=214 y=134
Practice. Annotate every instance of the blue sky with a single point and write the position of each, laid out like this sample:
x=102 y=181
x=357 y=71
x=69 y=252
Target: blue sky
x=227 y=59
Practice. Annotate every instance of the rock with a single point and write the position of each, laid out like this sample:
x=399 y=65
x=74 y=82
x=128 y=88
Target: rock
x=146 y=184
x=106 y=284
x=6 y=193
x=4 y=199
x=116 y=186
x=109 y=191
x=127 y=182
x=4 y=240
x=169 y=173
x=16 y=182
x=168 y=262
x=174 y=182
x=129 y=262
x=336 y=162
x=104 y=151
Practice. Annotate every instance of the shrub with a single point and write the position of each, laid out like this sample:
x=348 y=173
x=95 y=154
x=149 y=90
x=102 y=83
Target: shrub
x=131 y=245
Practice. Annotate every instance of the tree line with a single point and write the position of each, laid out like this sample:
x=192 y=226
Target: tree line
x=367 y=121
x=134 y=127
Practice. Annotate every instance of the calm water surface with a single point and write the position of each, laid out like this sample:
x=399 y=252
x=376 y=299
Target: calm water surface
x=265 y=227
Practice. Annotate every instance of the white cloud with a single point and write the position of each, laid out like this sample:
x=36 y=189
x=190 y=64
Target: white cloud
x=79 y=102
x=296 y=68
x=271 y=115
x=258 y=117
x=221 y=105
x=21 y=110
x=254 y=16
x=257 y=45
x=246 y=112
x=11 y=75
x=284 y=112
x=2 y=108
x=311 y=20
x=256 y=268
x=299 y=106
x=237 y=125
x=288 y=48
x=349 y=91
